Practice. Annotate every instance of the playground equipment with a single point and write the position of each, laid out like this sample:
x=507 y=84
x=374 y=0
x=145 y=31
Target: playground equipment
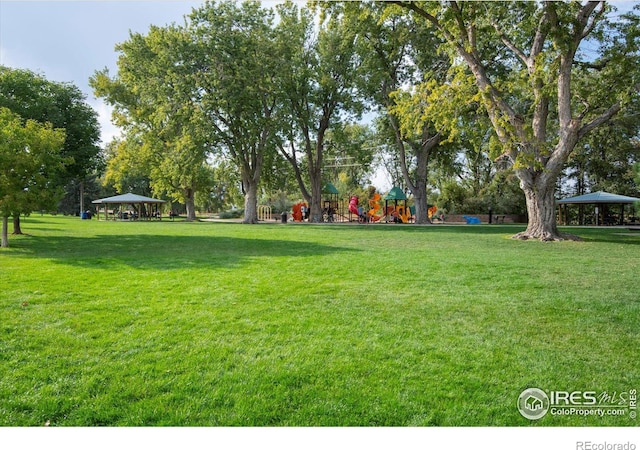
x=356 y=210
x=472 y=220
x=353 y=205
x=264 y=213
x=374 y=204
x=297 y=211
x=397 y=213
x=403 y=213
x=330 y=203
x=334 y=209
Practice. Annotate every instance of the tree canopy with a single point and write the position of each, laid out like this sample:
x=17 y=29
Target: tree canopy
x=317 y=84
x=542 y=90
x=64 y=106
x=31 y=158
x=164 y=127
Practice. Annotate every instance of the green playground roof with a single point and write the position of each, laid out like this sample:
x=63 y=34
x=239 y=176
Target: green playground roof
x=329 y=188
x=396 y=194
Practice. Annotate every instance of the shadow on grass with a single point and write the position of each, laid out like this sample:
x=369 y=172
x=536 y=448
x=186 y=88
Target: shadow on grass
x=162 y=252
x=603 y=234
x=607 y=235
x=431 y=228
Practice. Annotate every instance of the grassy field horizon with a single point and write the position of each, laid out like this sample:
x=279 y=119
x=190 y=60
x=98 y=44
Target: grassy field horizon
x=223 y=324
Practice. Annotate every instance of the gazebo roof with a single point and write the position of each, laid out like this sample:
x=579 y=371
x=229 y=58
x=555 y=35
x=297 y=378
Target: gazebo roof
x=128 y=198
x=396 y=194
x=600 y=197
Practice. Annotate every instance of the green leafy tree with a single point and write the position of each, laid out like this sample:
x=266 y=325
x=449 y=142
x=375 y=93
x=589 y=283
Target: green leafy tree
x=30 y=157
x=349 y=156
x=126 y=169
x=226 y=191
x=63 y=105
x=603 y=160
x=317 y=86
x=234 y=67
x=604 y=163
x=277 y=176
x=542 y=91
x=153 y=102
x=395 y=55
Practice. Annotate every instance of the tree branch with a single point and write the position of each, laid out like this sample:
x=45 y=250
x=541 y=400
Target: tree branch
x=602 y=118
x=594 y=20
x=511 y=46
x=541 y=33
x=466 y=33
x=592 y=65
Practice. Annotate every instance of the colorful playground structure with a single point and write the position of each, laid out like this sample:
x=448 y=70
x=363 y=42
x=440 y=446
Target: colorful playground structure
x=398 y=212
x=394 y=209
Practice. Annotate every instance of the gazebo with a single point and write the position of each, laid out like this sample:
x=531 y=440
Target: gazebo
x=601 y=201
x=143 y=207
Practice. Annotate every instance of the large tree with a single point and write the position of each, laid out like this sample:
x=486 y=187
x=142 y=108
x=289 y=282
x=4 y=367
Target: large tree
x=153 y=101
x=30 y=157
x=234 y=68
x=63 y=105
x=396 y=54
x=317 y=85
x=529 y=77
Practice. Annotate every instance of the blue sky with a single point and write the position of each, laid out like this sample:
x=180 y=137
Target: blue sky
x=68 y=41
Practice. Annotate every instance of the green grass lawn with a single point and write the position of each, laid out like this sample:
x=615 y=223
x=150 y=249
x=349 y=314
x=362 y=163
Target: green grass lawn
x=206 y=324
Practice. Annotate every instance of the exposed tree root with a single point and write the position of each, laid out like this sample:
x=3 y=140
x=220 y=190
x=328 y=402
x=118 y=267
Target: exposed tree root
x=546 y=236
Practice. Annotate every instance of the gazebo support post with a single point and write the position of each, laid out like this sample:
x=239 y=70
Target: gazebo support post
x=621 y=221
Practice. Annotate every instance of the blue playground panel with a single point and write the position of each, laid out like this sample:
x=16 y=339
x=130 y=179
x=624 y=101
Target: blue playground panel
x=472 y=220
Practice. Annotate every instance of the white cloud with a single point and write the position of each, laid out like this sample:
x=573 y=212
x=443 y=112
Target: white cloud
x=108 y=130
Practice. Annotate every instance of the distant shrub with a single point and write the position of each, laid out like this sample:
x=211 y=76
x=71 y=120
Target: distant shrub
x=232 y=214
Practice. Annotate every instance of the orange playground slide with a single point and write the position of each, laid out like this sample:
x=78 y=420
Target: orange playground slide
x=375 y=207
x=404 y=213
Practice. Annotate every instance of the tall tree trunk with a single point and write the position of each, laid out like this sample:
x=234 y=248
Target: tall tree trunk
x=422 y=209
x=190 y=205
x=541 y=209
x=422 y=152
x=419 y=187
x=539 y=191
x=81 y=197
x=315 y=207
x=17 y=229
x=250 y=188
x=5 y=232
x=315 y=161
